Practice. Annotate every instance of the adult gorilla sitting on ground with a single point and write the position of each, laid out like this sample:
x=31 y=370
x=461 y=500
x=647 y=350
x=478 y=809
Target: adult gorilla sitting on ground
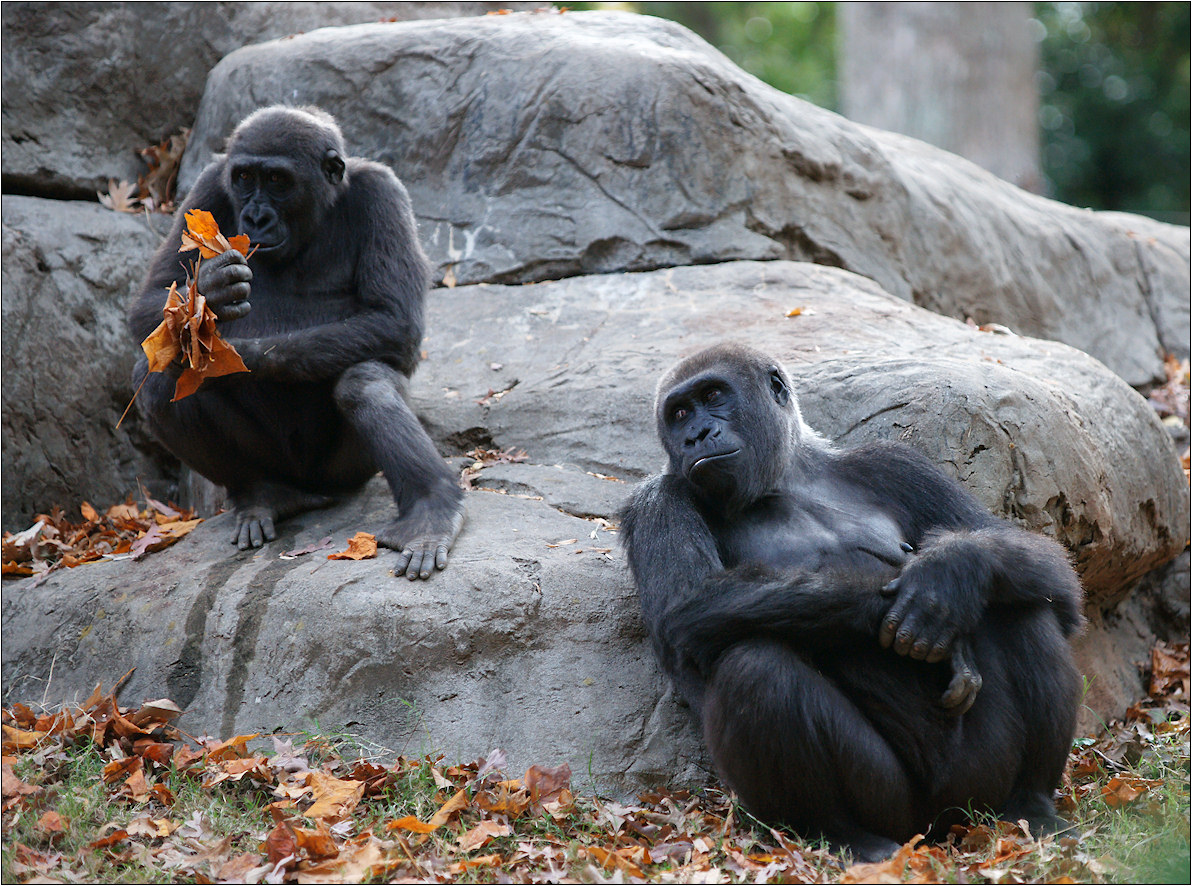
x=327 y=316
x=776 y=571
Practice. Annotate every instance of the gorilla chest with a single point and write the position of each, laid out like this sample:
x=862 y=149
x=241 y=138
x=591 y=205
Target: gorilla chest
x=811 y=532
x=286 y=300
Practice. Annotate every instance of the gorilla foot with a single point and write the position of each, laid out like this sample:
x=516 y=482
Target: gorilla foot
x=423 y=537
x=865 y=848
x=259 y=507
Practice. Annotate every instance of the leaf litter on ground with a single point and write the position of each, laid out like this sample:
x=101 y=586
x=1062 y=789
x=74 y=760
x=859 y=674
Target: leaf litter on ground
x=124 y=530
x=316 y=813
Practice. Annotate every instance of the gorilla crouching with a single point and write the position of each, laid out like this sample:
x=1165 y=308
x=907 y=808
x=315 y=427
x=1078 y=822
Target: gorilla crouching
x=327 y=315
x=870 y=652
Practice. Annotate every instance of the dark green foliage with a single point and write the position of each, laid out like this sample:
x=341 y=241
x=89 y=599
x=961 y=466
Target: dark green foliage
x=1114 y=106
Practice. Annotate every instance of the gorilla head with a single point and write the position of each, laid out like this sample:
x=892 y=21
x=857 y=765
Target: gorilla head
x=280 y=197
x=723 y=415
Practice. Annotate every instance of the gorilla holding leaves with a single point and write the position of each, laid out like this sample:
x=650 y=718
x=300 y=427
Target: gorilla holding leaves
x=328 y=317
x=869 y=651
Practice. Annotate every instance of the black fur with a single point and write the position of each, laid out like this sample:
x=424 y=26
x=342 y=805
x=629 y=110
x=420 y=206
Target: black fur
x=870 y=652
x=328 y=316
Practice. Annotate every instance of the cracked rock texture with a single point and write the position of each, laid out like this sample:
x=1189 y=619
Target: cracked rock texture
x=543 y=146
x=69 y=270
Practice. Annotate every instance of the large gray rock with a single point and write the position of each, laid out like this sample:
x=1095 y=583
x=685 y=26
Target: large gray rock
x=520 y=645
x=86 y=85
x=531 y=638
x=1040 y=432
x=69 y=271
x=541 y=146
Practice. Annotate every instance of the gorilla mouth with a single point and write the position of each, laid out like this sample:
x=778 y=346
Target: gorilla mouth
x=705 y=461
x=266 y=248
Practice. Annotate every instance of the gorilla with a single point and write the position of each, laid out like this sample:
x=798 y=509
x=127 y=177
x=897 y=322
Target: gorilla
x=870 y=653
x=327 y=314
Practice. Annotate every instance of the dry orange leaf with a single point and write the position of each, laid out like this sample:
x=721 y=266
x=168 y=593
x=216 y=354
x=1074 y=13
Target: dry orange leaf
x=1125 y=789
x=188 y=329
x=440 y=818
x=361 y=546
x=202 y=233
x=335 y=798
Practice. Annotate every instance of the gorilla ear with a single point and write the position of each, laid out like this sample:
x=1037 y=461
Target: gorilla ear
x=778 y=389
x=333 y=166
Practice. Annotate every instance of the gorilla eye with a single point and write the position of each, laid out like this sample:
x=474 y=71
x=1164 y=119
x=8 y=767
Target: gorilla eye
x=679 y=414
x=711 y=395
x=275 y=177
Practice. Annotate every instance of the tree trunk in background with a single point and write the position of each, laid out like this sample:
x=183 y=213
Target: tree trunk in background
x=957 y=75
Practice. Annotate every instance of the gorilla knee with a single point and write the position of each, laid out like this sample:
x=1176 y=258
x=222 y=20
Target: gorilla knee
x=367 y=384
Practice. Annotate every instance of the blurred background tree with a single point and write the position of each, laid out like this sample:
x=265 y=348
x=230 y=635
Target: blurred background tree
x=1112 y=87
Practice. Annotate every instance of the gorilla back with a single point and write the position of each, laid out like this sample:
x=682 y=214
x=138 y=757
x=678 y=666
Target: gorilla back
x=327 y=314
x=869 y=651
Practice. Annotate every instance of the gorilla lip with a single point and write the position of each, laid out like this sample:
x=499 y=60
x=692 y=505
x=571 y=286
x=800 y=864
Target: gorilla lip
x=716 y=456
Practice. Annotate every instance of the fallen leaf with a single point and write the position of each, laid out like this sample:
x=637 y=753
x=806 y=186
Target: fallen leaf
x=361 y=546
x=440 y=818
x=334 y=797
x=483 y=834
x=121 y=197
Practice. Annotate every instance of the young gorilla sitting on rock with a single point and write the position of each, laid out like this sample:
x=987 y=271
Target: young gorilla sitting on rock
x=870 y=652
x=327 y=315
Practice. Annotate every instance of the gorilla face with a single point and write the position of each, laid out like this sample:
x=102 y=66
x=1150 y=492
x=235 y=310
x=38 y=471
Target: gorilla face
x=285 y=169
x=718 y=425
x=700 y=433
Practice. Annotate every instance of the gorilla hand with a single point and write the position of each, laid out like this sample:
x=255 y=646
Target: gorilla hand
x=940 y=595
x=225 y=282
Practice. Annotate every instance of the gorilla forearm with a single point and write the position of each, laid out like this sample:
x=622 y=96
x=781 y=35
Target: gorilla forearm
x=944 y=592
x=808 y=609
x=324 y=352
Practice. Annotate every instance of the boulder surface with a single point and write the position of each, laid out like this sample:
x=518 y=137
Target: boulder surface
x=133 y=75
x=531 y=639
x=539 y=146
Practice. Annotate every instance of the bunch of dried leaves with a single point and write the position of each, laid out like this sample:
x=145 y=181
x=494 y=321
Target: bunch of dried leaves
x=123 y=530
x=188 y=331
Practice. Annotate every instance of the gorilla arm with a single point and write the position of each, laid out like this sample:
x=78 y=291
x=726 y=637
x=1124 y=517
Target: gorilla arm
x=695 y=609
x=391 y=275
x=967 y=559
x=670 y=553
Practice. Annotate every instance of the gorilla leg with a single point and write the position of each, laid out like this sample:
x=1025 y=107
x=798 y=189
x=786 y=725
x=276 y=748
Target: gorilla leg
x=797 y=751
x=371 y=396
x=265 y=446
x=1046 y=687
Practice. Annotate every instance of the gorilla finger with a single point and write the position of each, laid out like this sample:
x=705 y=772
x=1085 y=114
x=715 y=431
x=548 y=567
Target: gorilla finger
x=939 y=649
x=255 y=538
x=957 y=691
x=233 y=311
x=428 y=565
x=403 y=562
x=891 y=622
x=907 y=635
x=890 y=589
x=920 y=649
x=415 y=565
x=441 y=557
x=267 y=528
